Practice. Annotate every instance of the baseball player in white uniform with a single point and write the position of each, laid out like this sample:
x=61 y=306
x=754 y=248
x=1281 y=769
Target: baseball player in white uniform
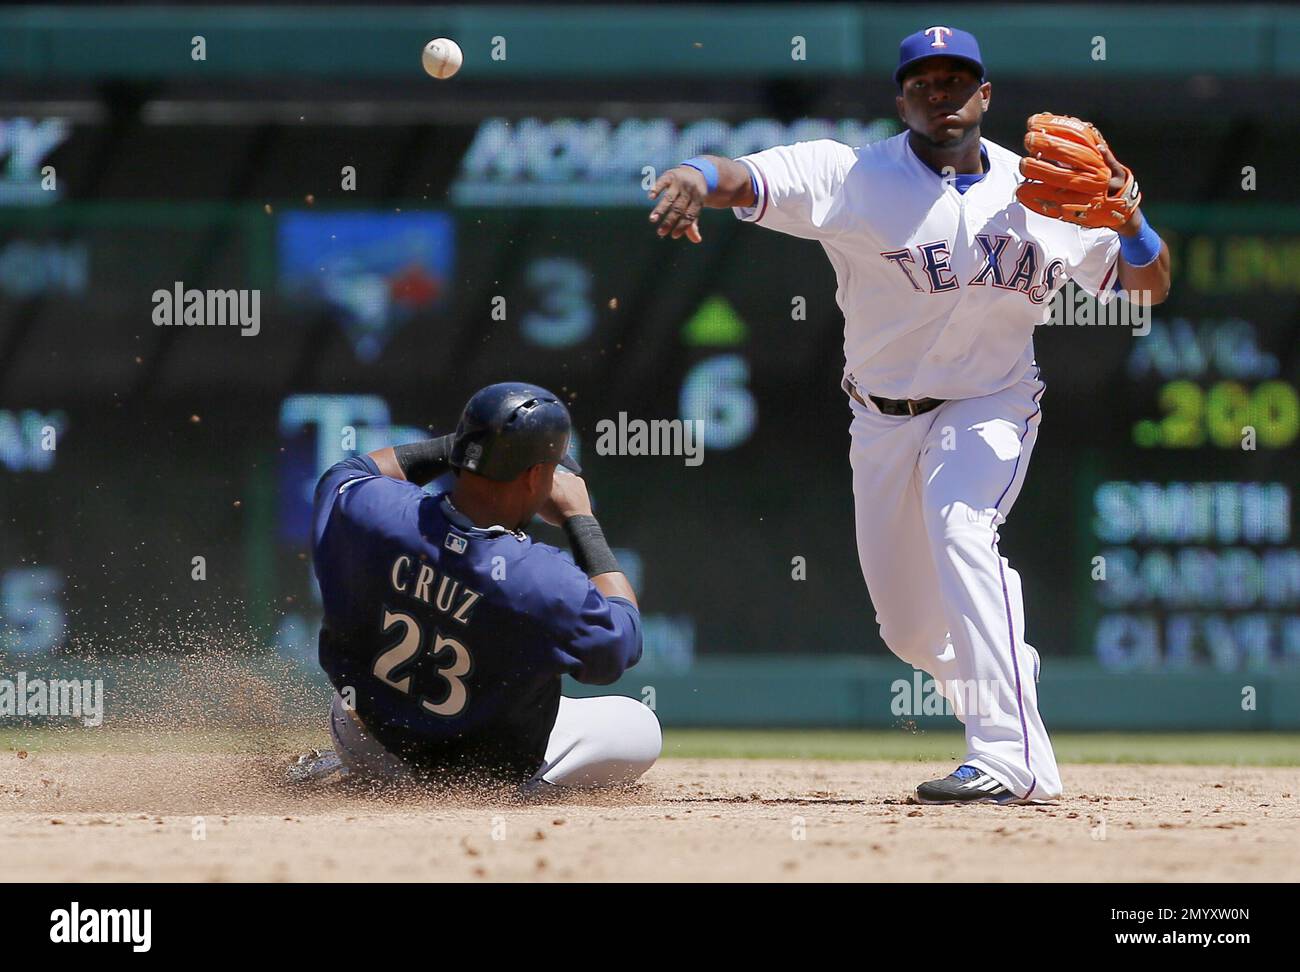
x=942 y=275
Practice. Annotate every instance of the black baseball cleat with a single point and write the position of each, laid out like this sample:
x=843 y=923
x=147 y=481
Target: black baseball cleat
x=965 y=784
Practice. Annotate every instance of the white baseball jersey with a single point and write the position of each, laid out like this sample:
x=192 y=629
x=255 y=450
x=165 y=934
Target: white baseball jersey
x=940 y=290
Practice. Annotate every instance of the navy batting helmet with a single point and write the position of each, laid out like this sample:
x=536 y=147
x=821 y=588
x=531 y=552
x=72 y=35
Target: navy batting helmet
x=509 y=427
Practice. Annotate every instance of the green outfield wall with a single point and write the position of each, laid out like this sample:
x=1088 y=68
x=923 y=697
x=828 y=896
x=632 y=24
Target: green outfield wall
x=777 y=692
x=788 y=40
x=848 y=692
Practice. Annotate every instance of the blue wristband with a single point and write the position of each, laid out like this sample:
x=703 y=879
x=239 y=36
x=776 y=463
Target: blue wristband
x=708 y=168
x=1140 y=250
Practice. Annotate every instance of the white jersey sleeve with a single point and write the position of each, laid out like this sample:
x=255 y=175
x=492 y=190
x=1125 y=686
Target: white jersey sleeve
x=799 y=187
x=1097 y=269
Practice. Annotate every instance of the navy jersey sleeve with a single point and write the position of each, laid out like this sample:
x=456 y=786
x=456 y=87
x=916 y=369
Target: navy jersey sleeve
x=357 y=510
x=595 y=638
x=330 y=486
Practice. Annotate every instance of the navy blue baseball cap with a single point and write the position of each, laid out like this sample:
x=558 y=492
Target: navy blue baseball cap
x=939 y=42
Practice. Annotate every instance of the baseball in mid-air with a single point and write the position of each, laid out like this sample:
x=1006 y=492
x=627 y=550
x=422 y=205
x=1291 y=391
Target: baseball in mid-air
x=442 y=58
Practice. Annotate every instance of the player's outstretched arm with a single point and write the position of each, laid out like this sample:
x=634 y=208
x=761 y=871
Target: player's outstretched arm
x=707 y=181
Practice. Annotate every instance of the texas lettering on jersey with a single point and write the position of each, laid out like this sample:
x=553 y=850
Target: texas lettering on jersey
x=940 y=289
x=934 y=260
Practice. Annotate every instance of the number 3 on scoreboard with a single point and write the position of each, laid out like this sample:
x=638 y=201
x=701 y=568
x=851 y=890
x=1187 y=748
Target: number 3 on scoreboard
x=393 y=666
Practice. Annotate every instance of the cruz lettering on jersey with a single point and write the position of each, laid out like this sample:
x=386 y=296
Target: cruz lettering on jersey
x=443 y=598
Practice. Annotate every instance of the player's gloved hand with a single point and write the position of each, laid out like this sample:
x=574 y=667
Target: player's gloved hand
x=568 y=498
x=1072 y=175
x=681 y=192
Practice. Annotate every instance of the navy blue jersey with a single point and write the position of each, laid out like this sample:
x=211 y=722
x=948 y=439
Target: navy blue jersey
x=453 y=638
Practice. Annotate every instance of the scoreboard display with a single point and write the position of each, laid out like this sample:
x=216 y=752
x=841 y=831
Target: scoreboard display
x=1190 y=500
x=1156 y=528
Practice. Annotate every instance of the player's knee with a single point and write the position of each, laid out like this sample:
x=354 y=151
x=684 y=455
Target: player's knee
x=629 y=743
x=917 y=648
x=625 y=747
x=643 y=741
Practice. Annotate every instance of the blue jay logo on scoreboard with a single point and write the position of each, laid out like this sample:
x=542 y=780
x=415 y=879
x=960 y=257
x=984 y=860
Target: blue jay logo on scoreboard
x=375 y=271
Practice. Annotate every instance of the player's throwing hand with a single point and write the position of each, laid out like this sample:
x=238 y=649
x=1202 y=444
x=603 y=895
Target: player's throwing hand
x=681 y=192
x=705 y=181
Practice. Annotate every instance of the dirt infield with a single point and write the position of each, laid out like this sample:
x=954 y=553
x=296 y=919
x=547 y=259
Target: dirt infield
x=168 y=816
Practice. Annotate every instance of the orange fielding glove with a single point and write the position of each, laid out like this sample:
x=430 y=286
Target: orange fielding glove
x=1068 y=178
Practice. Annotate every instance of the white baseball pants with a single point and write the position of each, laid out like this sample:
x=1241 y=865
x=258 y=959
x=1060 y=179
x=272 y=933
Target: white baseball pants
x=603 y=741
x=930 y=492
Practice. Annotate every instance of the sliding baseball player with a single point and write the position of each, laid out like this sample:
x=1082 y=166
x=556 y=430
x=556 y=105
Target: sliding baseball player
x=447 y=628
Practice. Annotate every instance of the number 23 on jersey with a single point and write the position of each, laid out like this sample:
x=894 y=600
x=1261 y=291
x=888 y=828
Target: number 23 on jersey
x=397 y=666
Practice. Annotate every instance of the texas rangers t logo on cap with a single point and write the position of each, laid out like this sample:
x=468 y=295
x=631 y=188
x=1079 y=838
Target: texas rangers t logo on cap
x=939 y=42
x=938 y=33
